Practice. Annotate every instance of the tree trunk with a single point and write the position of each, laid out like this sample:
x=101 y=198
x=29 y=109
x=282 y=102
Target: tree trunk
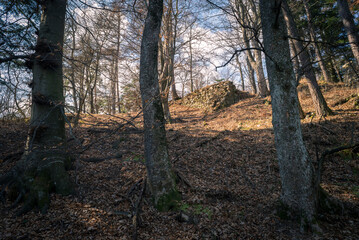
x=191 y=59
x=173 y=51
x=42 y=167
x=240 y=71
x=251 y=77
x=262 y=85
x=350 y=27
x=160 y=177
x=299 y=188
x=313 y=38
x=319 y=102
x=72 y=78
x=254 y=57
x=295 y=60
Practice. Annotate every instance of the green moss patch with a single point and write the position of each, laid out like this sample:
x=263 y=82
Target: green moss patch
x=169 y=201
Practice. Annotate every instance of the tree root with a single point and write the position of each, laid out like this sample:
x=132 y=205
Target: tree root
x=34 y=177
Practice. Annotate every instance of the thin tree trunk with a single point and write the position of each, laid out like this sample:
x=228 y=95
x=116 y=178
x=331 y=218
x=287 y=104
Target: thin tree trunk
x=256 y=60
x=191 y=59
x=160 y=177
x=251 y=77
x=118 y=41
x=319 y=102
x=262 y=85
x=72 y=81
x=350 y=27
x=240 y=71
x=299 y=188
x=318 y=54
x=294 y=55
x=173 y=51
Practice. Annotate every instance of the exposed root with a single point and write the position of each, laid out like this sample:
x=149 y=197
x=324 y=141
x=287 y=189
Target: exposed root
x=34 y=177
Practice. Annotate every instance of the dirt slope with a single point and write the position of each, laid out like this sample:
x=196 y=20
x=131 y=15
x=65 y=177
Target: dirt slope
x=230 y=178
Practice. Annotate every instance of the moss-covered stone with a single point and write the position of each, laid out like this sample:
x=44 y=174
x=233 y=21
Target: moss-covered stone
x=168 y=201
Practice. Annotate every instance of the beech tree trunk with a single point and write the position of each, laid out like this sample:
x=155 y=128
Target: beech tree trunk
x=42 y=166
x=350 y=27
x=161 y=181
x=320 y=105
x=299 y=188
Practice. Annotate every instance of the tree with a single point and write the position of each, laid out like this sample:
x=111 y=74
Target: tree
x=350 y=27
x=161 y=181
x=313 y=38
x=42 y=166
x=299 y=186
x=249 y=20
x=319 y=102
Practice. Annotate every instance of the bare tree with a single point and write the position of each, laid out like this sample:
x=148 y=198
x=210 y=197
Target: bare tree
x=42 y=166
x=160 y=177
x=318 y=54
x=299 y=185
x=319 y=102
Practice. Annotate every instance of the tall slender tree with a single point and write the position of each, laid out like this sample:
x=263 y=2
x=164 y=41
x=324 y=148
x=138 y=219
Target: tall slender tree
x=319 y=102
x=313 y=37
x=350 y=27
x=160 y=177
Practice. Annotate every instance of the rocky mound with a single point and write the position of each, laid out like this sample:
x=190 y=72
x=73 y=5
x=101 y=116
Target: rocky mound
x=215 y=96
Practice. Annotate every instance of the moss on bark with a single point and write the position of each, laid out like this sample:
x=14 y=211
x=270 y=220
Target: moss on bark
x=168 y=201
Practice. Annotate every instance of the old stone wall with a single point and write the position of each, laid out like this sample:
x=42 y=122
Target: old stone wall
x=215 y=96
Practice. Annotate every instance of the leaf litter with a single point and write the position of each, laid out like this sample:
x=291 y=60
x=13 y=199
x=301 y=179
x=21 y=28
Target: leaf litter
x=227 y=168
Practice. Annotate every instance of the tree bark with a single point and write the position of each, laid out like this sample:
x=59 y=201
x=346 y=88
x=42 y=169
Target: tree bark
x=160 y=177
x=240 y=71
x=299 y=188
x=251 y=77
x=350 y=27
x=42 y=166
x=319 y=102
x=173 y=51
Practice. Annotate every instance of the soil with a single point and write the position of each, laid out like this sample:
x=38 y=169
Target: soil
x=229 y=176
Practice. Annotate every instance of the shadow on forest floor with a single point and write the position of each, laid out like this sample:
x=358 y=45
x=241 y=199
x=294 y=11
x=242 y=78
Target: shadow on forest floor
x=230 y=175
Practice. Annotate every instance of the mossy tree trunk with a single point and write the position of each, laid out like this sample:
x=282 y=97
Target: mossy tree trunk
x=161 y=181
x=42 y=167
x=299 y=185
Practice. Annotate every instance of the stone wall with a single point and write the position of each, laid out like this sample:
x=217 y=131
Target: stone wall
x=215 y=96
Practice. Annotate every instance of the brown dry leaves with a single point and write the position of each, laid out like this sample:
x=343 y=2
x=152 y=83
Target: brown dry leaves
x=228 y=157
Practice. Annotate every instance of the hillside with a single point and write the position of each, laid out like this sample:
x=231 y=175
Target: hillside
x=226 y=162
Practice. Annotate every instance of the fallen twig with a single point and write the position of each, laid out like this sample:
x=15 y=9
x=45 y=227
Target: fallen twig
x=182 y=179
x=137 y=210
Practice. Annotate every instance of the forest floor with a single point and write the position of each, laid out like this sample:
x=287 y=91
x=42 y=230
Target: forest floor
x=230 y=180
